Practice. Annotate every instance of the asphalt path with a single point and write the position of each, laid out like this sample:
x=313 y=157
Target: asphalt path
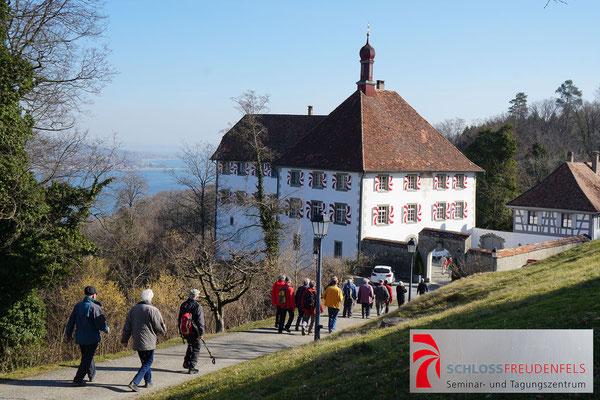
x=113 y=376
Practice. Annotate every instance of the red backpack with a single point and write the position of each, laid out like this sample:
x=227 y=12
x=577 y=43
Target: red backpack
x=185 y=324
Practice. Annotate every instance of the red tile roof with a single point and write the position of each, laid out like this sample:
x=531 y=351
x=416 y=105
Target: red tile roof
x=376 y=133
x=572 y=186
x=282 y=132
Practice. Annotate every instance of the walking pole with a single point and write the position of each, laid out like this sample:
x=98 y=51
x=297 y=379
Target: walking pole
x=214 y=360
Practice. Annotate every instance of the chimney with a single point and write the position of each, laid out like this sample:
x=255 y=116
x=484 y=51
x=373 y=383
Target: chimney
x=309 y=110
x=595 y=161
x=380 y=85
x=570 y=156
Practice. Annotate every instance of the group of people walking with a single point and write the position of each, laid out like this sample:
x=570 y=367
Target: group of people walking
x=304 y=299
x=143 y=323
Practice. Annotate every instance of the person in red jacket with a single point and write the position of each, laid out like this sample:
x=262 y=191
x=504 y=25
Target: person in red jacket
x=388 y=301
x=309 y=297
x=274 y=293
x=286 y=302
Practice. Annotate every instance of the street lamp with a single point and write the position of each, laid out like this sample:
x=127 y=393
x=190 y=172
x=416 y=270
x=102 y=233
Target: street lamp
x=412 y=247
x=320 y=224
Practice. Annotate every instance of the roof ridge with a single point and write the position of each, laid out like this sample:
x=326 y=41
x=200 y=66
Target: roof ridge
x=580 y=183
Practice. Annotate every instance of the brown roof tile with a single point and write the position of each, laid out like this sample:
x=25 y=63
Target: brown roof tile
x=376 y=133
x=282 y=132
x=572 y=186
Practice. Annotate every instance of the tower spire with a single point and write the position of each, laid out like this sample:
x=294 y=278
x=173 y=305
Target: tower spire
x=367 y=56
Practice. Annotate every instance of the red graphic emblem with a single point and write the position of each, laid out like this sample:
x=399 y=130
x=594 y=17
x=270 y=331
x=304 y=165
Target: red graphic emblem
x=429 y=356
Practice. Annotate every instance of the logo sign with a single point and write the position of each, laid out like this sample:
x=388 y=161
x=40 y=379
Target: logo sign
x=501 y=361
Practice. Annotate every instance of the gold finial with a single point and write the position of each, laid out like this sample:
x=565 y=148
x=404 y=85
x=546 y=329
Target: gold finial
x=368 y=29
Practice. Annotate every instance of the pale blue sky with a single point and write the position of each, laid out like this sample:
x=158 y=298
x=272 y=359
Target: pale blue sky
x=180 y=62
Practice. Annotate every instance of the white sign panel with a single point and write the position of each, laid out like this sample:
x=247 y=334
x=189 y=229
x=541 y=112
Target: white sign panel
x=501 y=361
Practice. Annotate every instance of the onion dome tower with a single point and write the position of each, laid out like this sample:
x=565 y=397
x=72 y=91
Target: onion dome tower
x=367 y=57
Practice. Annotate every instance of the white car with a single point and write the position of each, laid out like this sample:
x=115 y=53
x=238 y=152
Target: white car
x=381 y=273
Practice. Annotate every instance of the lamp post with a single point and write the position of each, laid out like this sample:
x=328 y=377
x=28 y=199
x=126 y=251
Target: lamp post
x=412 y=246
x=320 y=224
x=495 y=258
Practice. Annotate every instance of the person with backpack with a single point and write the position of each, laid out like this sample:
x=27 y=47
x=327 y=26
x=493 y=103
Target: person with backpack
x=286 y=302
x=191 y=328
x=88 y=318
x=401 y=293
x=391 y=298
x=350 y=295
x=365 y=297
x=143 y=323
x=309 y=308
x=381 y=296
x=298 y=300
x=333 y=299
x=274 y=294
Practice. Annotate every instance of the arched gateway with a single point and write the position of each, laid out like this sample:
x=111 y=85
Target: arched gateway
x=430 y=240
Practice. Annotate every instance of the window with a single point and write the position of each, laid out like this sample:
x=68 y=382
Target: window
x=383 y=214
x=341 y=180
x=337 y=249
x=532 y=218
x=384 y=181
x=295 y=178
x=226 y=166
x=340 y=214
x=411 y=216
x=224 y=196
x=441 y=211
x=567 y=220
x=317 y=182
x=241 y=168
x=297 y=241
x=439 y=182
x=412 y=182
x=316 y=207
x=240 y=197
x=460 y=181
x=460 y=210
x=295 y=207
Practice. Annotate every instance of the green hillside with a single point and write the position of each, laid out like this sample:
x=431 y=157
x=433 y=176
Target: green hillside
x=562 y=292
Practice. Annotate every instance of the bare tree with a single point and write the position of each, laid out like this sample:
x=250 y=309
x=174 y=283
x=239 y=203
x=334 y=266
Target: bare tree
x=221 y=281
x=451 y=128
x=199 y=174
x=132 y=188
x=251 y=131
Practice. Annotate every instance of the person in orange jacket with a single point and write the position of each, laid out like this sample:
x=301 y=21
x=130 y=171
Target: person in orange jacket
x=333 y=299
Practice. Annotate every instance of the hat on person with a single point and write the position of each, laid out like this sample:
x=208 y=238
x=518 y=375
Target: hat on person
x=194 y=293
x=90 y=290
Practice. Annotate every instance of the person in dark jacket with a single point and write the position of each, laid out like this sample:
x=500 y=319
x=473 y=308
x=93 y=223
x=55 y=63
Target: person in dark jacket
x=401 y=293
x=192 y=306
x=88 y=318
x=287 y=306
x=381 y=296
x=143 y=323
x=350 y=294
x=422 y=288
x=298 y=299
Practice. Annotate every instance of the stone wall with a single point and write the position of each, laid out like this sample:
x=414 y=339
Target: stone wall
x=388 y=252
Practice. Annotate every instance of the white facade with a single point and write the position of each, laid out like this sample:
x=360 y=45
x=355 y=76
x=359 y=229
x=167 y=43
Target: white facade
x=561 y=223
x=390 y=205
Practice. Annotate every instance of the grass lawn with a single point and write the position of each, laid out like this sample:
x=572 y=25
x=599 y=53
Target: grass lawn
x=562 y=292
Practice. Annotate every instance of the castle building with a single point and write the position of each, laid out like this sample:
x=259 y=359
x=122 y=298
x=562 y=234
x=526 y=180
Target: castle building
x=374 y=165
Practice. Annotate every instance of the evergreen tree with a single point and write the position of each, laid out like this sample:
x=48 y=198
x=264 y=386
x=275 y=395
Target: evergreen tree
x=494 y=152
x=40 y=235
x=518 y=105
